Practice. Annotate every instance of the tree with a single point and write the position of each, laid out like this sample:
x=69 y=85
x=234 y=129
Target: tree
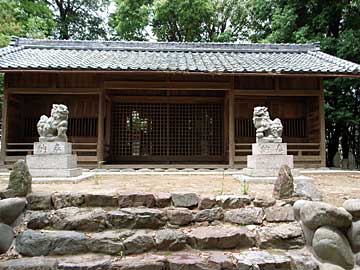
x=79 y=19
x=131 y=18
x=336 y=24
x=24 y=18
x=179 y=20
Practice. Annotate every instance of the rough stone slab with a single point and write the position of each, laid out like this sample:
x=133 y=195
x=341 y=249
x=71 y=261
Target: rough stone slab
x=209 y=215
x=10 y=209
x=51 y=162
x=281 y=236
x=303 y=259
x=35 y=263
x=245 y=216
x=42 y=243
x=79 y=219
x=121 y=219
x=172 y=240
x=56 y=172
x=52 y=148
x=136 y=199
x=147 y=262
x=179 y=216
x=87 y=261
x=186 y=200
x=233 y=201
x=221 y=238
x=146 y=218
x=187 y=261
x=279 y=214
x=67 y=199
x=269 y=148
x=163 y=199
x=138 y=243
x=207 y=202
x=269 y=161
x=107 y=242
x=101 y=200
x=37 y=220
x=263 y=260
x=39 y=201
x=264 y=201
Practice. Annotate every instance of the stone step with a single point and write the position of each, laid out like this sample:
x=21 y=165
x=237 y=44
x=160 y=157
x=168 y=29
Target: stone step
x=189 y=259
x=57 y=200
x=132 y=241
x=99 y=219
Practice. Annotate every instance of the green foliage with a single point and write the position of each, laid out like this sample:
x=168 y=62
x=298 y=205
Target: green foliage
x=179 y=20
x=336 y=24
x=130 y=19
x=24 y=18
x=79 y=19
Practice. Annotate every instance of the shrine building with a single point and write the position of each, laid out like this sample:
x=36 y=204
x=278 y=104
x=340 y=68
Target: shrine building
x=146 y=104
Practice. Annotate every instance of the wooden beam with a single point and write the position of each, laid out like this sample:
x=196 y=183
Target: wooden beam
x=167 y=85
x=67 y=91
x=167 y=99
x=304 y=93
x=322 y=124
x=5 y=123
x=231 y=124
x=230 y=74
x=100 y=139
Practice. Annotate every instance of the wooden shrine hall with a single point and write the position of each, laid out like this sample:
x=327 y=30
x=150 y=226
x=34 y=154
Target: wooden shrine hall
x=166 y=104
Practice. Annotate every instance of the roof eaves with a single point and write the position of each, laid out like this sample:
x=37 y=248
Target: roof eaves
x=337 y=61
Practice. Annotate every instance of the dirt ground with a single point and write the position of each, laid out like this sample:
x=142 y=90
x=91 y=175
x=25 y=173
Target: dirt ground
x=335 y=187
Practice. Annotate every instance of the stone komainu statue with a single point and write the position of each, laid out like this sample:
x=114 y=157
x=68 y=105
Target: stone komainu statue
x=53 y=128
x=267 y=130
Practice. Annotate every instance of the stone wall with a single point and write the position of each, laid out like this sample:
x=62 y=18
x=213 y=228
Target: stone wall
x=331 y=233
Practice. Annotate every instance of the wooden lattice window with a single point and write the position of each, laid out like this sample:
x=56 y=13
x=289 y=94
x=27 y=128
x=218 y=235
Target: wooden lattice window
x=78 y=127
x=167 y=131
x=292 y=128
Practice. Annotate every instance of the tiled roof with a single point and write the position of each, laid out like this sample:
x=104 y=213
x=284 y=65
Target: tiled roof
x=31 y=54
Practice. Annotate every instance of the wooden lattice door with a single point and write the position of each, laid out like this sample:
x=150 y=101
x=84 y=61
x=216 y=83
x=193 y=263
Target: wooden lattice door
x=161 y=132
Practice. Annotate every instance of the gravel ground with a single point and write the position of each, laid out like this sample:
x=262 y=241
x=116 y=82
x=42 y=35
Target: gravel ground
x=335 y=187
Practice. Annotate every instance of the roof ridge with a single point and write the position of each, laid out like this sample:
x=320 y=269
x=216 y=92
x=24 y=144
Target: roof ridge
x=162 y=46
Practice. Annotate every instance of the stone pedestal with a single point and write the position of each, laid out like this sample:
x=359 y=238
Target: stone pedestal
x=53 y=159
x=267 y=158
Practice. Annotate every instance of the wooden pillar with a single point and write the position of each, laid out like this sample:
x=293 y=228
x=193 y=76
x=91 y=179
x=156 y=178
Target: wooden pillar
x=108 y=125
x=100 y=139
x=5 y=125
x=322 y=124
x=231 y=124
